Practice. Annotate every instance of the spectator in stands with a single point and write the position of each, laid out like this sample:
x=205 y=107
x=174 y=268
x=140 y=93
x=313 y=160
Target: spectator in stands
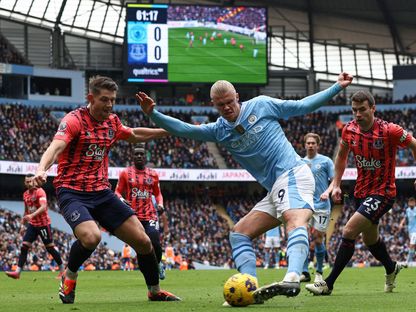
x=257 y=141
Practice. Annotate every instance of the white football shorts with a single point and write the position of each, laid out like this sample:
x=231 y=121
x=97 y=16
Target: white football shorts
x=292 y=190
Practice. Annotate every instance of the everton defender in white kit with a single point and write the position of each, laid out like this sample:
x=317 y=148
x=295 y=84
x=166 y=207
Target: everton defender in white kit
x=252 y=134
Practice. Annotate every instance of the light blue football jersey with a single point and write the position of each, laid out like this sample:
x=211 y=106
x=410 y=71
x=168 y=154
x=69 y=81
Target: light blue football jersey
x=323 y=171
x=411 y=220
x=260 y=145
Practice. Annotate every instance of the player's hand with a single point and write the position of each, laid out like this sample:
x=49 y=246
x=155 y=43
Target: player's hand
x=337 y=195
x=147 y=104
x=39 y=179
x=27 y=217
x=345 y=79
x=324 y=196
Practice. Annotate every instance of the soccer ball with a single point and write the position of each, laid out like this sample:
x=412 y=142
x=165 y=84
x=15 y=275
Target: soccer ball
x=238 y=289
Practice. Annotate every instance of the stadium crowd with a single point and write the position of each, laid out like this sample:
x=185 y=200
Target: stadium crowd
x=199 y=232
x=27 y=131
x=241 y=17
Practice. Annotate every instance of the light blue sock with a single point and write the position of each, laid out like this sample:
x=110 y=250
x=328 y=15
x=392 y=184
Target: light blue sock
x=305 y=264
x=297 y=249
x=267 y=258
x=277 y=258
x=410 y=255
x=320 y=251
x=243 y=253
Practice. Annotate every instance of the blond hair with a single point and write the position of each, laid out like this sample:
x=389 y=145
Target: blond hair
x=221 y=87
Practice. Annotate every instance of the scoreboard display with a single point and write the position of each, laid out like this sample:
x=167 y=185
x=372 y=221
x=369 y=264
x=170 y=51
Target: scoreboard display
x=190 y=43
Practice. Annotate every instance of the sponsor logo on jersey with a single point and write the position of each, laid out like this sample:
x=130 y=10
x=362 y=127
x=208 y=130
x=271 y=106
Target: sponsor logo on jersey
x=95 y=151
x=248 y=139
x=136 y=193
x=371 y=164
x=62 y=126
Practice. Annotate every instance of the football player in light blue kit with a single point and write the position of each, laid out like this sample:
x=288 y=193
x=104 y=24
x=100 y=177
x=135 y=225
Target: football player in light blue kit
x=411 y=226
x=323 y=170
x=272 y=245
x=252 y=134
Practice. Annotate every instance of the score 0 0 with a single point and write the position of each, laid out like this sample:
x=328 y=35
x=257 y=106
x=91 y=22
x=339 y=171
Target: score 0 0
x=157 y=43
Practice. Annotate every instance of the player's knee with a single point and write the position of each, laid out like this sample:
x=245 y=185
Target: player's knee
x=349 y=232
x=26 y=246
x=90 y=240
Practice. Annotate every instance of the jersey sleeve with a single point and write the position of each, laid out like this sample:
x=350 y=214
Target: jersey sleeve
x=68 y=129
x=291 y=108
x=41 y=196
x=331 y=168
x=345 y=138
x=156 y=190
x=123 y=132
x=204 y=132
x=399 y=136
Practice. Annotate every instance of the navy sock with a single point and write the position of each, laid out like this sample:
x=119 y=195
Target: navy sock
x=345 y=252
x=379 y=251
x=23 y=256
x=77 y=255
x=149 y=267
x=55 y=254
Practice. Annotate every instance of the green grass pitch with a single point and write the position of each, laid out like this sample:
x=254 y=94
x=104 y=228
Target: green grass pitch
x=214 y=61
x=356 y=290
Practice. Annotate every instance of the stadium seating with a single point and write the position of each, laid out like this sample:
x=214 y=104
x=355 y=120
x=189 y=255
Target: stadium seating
x=27 y=131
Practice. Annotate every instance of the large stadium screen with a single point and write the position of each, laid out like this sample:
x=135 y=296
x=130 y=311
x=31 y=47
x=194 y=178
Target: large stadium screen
x=189 y=43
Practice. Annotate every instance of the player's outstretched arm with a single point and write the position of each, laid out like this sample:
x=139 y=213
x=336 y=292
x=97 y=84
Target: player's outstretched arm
x=172 y=125
x=311 y=103
x=48 y=158
x=146 y=134
x=146 y=102
x=345 y=79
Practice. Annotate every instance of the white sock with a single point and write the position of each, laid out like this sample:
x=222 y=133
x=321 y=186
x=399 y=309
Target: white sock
x=292 y=277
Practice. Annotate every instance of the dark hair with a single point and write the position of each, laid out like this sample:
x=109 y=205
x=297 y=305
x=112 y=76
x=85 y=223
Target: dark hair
x=29 y=175
x=362 y=96
x=411 y=199
x=97 y=83
x=312 y=135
